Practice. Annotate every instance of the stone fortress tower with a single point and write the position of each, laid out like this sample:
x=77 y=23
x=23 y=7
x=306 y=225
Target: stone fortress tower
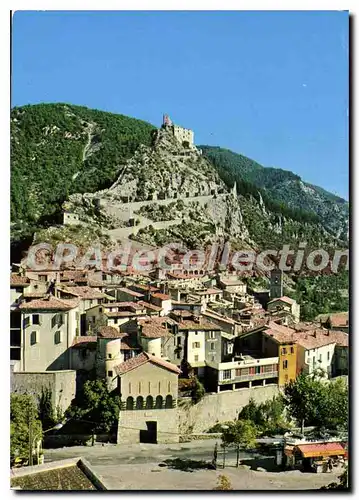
x=184 y=135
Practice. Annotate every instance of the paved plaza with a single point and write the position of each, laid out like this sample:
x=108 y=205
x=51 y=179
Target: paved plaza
x=185 y=467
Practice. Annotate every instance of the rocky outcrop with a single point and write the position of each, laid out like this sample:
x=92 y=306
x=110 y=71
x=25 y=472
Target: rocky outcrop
x=163 y=182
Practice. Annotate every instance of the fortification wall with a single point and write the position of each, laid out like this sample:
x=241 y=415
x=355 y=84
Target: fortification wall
x=219 y=407
x=61 y=384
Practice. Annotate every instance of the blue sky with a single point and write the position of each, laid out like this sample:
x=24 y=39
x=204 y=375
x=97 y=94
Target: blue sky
x=270 y=85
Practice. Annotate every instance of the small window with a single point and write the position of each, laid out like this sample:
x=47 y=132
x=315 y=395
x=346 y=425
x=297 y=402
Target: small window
x=292 y=350
x=213 y=346
x=284 y=350
x=227 y=374
x=169 y=386
x=213 y=357
x=58 y=337
x=196 y=357
x=35 y=319
x=328 y=356
x=285 y=364
x=110 y=356
x=109 y=373
x=116 y=321
x=100 y=309
x=320 y=358
x=139 y=387
x=196 y=345
x=129 y=387
x=33 y=338
x=178 y=340
x=149 y=387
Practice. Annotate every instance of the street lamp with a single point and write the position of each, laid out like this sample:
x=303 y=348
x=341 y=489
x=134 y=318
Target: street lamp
x=32 y=442
x=224 y=428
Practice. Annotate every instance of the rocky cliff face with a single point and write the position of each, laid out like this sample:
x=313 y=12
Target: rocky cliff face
x=162 y=184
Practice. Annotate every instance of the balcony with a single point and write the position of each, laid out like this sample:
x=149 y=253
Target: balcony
x=248 y=378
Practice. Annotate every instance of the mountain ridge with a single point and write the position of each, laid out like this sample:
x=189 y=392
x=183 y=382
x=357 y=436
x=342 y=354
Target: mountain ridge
x=74 y=149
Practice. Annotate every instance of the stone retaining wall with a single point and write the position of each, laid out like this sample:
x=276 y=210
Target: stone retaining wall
x=218 y=407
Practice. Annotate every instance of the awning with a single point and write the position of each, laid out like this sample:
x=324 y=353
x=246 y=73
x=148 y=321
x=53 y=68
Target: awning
x=321 y=450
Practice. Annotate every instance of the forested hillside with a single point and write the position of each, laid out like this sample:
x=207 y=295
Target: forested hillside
x=282 y=191
x=60 y=149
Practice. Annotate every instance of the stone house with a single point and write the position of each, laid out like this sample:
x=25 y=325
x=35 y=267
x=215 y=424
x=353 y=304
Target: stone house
x=285 y=304
x=202 y=340
x=163 y=301
x=232 y=285
x=148 y=388
x=228 y=325
x=48 y=328
x=336 y=321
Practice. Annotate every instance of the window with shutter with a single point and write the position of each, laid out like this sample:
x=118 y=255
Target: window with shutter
x=33 y=338
x=54 y=321
x=57 y=337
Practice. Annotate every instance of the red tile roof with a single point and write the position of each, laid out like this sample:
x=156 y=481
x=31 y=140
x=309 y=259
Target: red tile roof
x=161 y=296
x=140 y=360
x=153 y=330
x=285 y=299
x=74 y=275
x=83 y=340
x=110 y=332
x=84 y=292
x=50 y=303
x=146 y=288
x=321 y=449
x=339 y=319
x=219 y=317
x=147 y=305
x=188 y=324
x=182 y=276
x=17 y=280
x=309 y=339
x=341 y=338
